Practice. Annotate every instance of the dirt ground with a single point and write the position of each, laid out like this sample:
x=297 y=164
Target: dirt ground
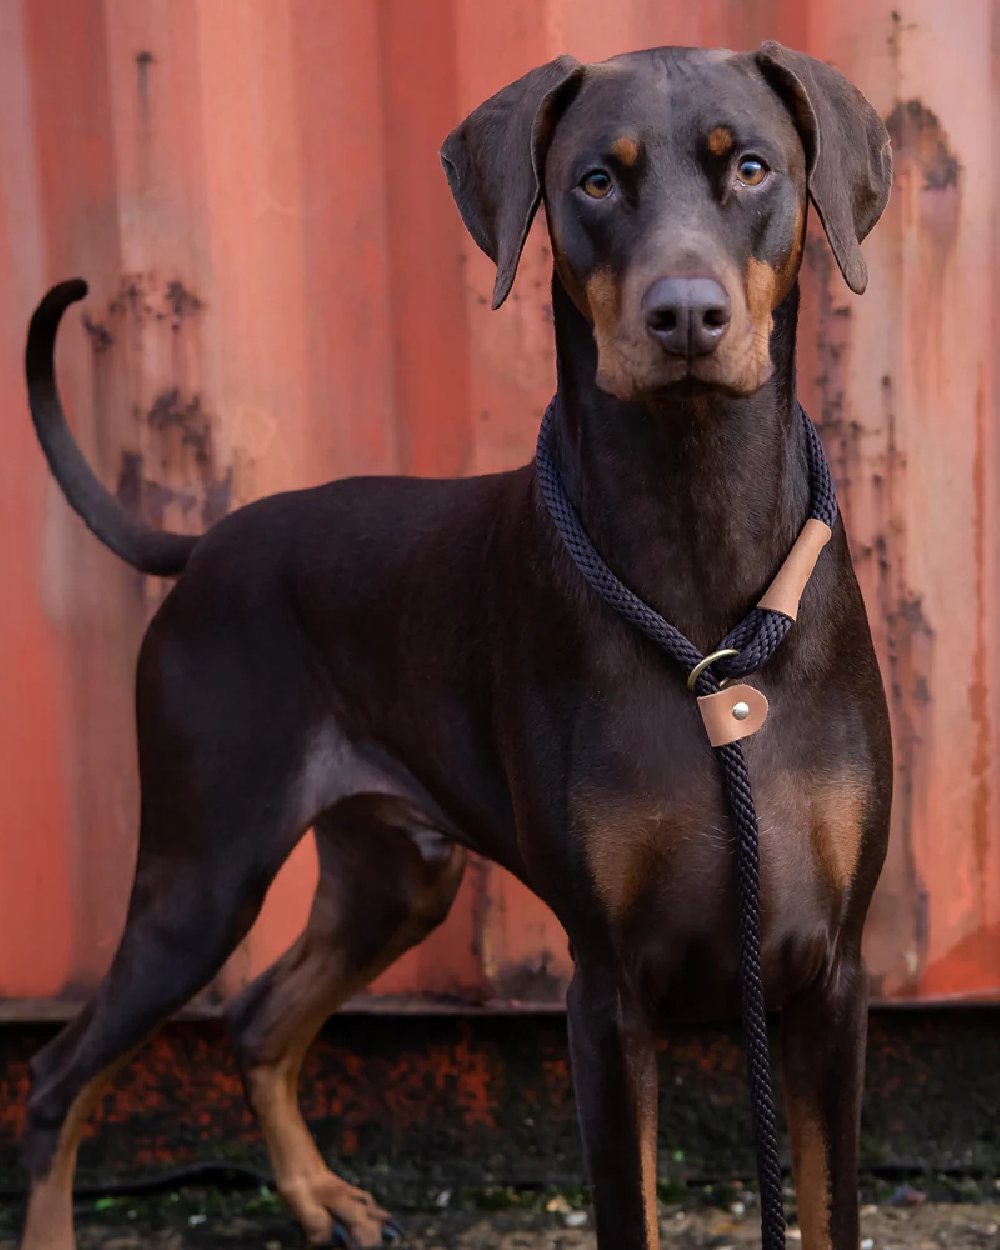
x=196 y=1220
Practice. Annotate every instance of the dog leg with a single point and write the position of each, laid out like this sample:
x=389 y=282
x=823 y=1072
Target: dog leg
x=614 y=1075
x=221 y=808
x=178 y=934
x=380 y=892
x=823 y=1056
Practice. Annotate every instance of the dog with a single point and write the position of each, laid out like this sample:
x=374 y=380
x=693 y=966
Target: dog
x=416 y=668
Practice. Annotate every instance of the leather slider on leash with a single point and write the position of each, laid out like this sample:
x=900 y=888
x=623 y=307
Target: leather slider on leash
x=785 y=591
x=732 y=714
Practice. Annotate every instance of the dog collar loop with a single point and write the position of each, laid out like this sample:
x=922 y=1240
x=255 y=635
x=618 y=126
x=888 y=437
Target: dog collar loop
x=709 y=660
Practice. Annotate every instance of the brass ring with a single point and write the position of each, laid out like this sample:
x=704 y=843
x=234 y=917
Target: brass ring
x=700 y=667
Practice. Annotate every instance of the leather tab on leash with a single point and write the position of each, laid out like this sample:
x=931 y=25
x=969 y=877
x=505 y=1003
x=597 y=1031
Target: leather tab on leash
x=730 y=713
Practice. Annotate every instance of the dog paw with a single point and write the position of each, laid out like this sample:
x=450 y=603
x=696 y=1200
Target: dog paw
x=333 y=1213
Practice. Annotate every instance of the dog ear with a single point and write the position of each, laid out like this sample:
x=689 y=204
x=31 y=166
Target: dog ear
x=848 y=154
x=494 y=162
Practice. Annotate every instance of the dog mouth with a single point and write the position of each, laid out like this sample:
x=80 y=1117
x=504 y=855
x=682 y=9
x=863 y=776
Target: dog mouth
x=690 y=382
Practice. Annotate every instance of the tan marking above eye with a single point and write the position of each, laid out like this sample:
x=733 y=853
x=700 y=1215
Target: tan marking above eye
x=720 y=141
x=625 y=149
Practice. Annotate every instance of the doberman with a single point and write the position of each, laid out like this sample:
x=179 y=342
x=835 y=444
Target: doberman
x=416 y=668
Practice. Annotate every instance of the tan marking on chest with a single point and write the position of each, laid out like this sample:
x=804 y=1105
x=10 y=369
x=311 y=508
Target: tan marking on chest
x=622 y=854
x=838 y=816
x=625 y=149
x=720 y=141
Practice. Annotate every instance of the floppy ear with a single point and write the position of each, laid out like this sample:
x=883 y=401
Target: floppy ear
x=849 y=158
x=494 y=162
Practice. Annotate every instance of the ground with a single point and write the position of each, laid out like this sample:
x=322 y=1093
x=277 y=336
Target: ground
x=202 y=1219
x=464 y=1126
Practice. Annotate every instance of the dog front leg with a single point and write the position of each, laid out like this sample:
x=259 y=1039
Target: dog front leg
x=823 y=1055
x=614 y=1075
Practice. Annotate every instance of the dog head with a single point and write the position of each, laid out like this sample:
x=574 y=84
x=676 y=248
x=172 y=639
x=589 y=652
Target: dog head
x=675 y=184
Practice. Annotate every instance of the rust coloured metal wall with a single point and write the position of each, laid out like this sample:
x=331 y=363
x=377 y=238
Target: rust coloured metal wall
x=281 y=292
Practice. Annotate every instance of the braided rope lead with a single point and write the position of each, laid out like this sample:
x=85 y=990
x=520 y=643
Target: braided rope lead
x=755 y=639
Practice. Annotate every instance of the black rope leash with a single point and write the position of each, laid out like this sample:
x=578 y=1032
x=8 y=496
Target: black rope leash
x=750 y=645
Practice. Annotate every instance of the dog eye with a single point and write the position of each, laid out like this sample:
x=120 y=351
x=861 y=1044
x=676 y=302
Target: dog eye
x=597 y=184
x=751 y=171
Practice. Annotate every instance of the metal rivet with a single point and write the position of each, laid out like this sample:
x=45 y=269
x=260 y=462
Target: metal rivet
x=741 y=710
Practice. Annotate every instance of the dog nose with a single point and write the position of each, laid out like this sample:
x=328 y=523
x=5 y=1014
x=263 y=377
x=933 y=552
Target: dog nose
x=687 y=316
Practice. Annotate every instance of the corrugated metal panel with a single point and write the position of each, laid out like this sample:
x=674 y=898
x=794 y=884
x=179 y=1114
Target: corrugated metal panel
x=282 y=293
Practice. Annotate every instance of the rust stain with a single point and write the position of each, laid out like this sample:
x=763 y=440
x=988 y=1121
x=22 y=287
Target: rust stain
x=531 y=980
x=916 y=132
x=181 y=302
x=178 y=424
x=100 y=336
x=903 y=634
x=144 y=60
x=979 y=695
x=173 y=471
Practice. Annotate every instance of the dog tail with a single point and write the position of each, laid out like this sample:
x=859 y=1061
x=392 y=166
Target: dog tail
x=148 y=550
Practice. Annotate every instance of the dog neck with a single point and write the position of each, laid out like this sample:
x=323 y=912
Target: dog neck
x=693 y=501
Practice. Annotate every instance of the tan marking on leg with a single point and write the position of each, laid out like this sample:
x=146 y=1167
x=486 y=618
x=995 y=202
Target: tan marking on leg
x=720 y=141
x=309 y=983
x=48 y=1224
x=310 y=987
x=647 y=1149
x=313 y=1193
x=811 y=1170
x=625 y=149
x=838 y=812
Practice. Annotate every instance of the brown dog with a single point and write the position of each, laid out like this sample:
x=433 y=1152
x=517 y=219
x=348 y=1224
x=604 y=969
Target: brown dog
x=417 y=667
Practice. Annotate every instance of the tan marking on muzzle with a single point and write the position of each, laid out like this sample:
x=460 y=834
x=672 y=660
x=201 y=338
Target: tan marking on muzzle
x=567 y=277
x=761 y=283
x=625 y=149
x=761 y=287
x=720 y=141
x=604 y=301
x=785 y=273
